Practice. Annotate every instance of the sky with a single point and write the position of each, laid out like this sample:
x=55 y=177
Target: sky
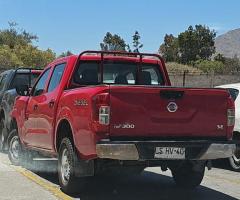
x=78 y=25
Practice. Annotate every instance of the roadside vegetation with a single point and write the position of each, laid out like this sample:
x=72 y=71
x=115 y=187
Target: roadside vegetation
x=17 y=49
x=195 y=47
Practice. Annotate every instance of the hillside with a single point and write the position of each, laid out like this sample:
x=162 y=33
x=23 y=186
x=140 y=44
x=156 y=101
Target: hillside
x=228 y=44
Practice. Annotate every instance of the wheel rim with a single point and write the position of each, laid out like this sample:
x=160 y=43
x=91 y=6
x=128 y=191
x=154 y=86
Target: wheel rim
x=14 y=148
x=65 y=166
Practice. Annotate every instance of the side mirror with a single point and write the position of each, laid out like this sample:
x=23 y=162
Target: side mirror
x=23 y=90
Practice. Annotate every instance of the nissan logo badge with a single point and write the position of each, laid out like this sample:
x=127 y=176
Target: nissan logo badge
x=172 y=107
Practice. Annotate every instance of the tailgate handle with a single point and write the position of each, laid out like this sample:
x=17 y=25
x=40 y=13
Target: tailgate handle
x=169 y=94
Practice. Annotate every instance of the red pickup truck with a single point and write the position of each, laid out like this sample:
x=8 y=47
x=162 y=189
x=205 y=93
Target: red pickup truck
x=100 y=111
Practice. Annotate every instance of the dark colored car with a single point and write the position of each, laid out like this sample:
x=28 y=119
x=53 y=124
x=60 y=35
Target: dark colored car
x=8 y=81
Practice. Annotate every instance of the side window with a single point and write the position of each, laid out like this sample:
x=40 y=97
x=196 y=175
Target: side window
x=39 y=87
x=56 y=77
x=86 y=74
x=3 y=80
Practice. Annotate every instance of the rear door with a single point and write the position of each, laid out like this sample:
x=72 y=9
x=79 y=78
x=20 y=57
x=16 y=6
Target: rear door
x=47 y=108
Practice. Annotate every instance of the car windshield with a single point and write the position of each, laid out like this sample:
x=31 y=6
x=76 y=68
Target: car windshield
x=123 y=73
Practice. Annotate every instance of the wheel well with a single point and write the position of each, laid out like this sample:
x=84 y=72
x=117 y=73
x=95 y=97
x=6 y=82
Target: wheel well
x=64 y=130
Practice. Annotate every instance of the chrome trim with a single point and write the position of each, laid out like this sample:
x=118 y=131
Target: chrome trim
x=117 y=151
x=216 y=151
x=130 y=152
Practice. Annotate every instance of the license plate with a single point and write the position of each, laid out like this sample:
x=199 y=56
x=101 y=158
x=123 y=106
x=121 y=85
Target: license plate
x=170 y=152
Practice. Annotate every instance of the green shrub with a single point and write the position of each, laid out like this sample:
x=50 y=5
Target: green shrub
x=209 y=66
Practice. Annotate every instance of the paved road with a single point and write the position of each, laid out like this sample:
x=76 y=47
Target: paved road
x=17 y=183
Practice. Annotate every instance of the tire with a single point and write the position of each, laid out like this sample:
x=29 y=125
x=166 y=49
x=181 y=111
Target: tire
x=234 y=161
x=67 y=158
x=186 y=176
x=15 y=152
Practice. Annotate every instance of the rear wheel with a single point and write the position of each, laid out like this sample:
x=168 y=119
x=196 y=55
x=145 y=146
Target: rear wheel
x=15 y=152
x=188 y=175
x=66 y=164
x=235 y=159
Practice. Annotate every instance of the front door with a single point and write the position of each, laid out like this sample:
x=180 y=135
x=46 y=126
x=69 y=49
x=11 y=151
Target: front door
x=46 y=109
x=32 y=125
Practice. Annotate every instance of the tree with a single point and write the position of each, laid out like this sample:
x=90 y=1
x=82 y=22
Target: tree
x=33 y=57
x=12 y=36
x=232 y=64
x=8 y=58
x=17 y=49
x=113 y=43
x=136 y=42
x=196 y=44
x=219 y=57
x=169 y=49
x=190 y=45
x=64 y=54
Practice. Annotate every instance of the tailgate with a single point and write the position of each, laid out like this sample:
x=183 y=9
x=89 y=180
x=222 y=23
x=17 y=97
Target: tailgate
x=138 y=111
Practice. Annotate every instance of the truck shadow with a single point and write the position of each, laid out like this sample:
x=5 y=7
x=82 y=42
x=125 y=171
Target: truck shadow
x=148 y=185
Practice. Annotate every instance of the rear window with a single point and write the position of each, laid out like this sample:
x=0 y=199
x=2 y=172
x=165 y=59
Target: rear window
x=23 y=79
x=89 y=73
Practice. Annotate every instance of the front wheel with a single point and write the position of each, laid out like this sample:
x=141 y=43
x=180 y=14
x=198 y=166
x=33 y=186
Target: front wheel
x=188 y=175
x=15 y=148
x=66 y=166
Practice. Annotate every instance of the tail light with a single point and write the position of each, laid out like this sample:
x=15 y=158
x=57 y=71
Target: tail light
x=104 y=115
x=230 y=117
x=101 y=113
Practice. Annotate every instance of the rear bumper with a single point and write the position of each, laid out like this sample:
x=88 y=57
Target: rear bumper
x=145 y=150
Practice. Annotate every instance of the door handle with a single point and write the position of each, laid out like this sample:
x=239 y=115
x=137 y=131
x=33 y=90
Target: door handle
x=51 y=103
x=35 y=107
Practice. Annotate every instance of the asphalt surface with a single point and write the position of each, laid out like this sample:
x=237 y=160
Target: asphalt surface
x=17 y=183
